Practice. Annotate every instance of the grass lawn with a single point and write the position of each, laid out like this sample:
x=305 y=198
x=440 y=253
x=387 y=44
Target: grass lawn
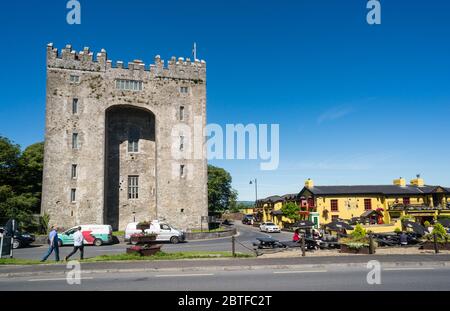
x=131 y=257
x=119 y=233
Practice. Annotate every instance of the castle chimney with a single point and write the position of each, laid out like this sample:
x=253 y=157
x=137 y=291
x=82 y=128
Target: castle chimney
x=418 y=181
x=309 y=184
x=400 y=182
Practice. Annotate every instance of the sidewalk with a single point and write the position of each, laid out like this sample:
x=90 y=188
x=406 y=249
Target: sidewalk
x=441 y=260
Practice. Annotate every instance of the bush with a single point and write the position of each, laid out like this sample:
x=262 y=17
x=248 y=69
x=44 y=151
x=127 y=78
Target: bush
x=397 y=230
x=427 y=224
x=359 y=232
x=439 y=230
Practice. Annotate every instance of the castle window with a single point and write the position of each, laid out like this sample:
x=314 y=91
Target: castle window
x=181 y=143
x=367 y=204
x=129 y=85
x=334 y=206
x=73 y=195
x=75 y=141
x=74 y=171
x=74 y=78
x=184 y=90
x=75 y=106
x=181 y=113
x=133 y=140
x=182 y=171
x=133 y=187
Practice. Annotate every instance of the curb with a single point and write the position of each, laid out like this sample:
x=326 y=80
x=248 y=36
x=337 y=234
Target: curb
x=237 y=268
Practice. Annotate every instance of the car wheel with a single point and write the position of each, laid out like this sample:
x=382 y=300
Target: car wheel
x=16 y=244
x=60 y=243
x=174 y=240
x=98 y=242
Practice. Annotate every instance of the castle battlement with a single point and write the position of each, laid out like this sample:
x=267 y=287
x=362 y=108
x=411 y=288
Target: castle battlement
x=176 y=68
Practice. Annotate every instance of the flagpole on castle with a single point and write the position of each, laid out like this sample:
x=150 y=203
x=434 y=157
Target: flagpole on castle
x=194 y=51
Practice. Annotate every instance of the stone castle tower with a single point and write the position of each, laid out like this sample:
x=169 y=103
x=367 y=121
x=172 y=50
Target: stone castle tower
x=124 y=144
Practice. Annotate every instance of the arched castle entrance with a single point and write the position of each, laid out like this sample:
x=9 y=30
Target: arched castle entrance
x=130 y=166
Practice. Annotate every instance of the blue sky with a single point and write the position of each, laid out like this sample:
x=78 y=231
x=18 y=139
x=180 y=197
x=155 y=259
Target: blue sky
x=356 y=104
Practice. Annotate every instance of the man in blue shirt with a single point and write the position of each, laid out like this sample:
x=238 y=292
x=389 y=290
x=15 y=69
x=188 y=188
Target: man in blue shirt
x=53 y=244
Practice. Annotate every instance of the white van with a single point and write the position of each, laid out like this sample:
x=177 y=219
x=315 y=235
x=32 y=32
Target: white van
x=164 y=231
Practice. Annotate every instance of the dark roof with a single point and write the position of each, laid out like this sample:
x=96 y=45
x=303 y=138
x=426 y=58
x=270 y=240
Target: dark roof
x=290 y=196
x=368 y=213
x=375 y=189
x=274 y=198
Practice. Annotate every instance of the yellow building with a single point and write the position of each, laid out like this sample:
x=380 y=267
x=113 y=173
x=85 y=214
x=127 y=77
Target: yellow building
x=380 y=205
x=271 y=208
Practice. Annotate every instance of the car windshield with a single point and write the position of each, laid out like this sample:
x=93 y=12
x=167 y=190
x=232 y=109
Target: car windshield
x=270 y=224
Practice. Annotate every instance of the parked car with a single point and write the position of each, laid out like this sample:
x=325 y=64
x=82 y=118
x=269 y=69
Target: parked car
x=21 y=239
x=269 y=227
x=164 y=231
x=93 y=235
x=248 y=220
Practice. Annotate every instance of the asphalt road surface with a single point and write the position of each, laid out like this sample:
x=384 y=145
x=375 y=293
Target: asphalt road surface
x=247 y=235
x=327 y=278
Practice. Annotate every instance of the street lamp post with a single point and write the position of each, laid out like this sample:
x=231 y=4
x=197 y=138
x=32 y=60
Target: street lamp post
x=255 y=182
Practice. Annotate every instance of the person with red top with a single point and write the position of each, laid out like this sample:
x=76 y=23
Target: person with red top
x=296 y=236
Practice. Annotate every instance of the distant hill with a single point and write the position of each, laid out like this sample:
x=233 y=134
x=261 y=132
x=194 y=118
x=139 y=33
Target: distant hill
x=246 y=203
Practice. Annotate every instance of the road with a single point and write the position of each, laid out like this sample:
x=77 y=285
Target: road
x=327 y=278
x=247 y=235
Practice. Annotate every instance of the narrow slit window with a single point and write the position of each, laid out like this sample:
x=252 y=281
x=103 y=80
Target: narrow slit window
x=182 y=113
x=74 y=172
x=73 y=195
x=75 y=106
x=182 y=171
x=75 y=141
x=181 y=143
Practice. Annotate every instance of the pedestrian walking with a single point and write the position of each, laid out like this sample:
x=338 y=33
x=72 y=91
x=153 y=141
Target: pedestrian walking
x=52 y=244
x=77 y=244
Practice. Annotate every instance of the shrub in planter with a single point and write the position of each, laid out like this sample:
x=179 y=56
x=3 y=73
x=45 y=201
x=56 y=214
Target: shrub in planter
x=143 y=225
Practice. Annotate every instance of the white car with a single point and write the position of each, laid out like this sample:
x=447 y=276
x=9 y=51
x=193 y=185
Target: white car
x=269 y=227
x=164 y=231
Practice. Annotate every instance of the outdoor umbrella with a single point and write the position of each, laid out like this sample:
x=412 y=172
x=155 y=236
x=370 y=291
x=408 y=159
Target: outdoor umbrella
x=304 y=224
x=445 y=222
x=338 y=225
x=417 y=228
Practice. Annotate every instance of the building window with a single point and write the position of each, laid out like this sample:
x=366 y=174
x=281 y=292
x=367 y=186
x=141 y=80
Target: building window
x=406 y=201
x=74 y=172
x=133 y=140
x=75 y=106
x=311 y=203
x=182 y=171
x=181 y=143
x=334 y=206
x=184 y=90
x=129 y=85
x=74 y=78
x=133 y=187
x=334 y=218
x=181 y=113
x=75 y=141
x=367 y=204
x=73 y=195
